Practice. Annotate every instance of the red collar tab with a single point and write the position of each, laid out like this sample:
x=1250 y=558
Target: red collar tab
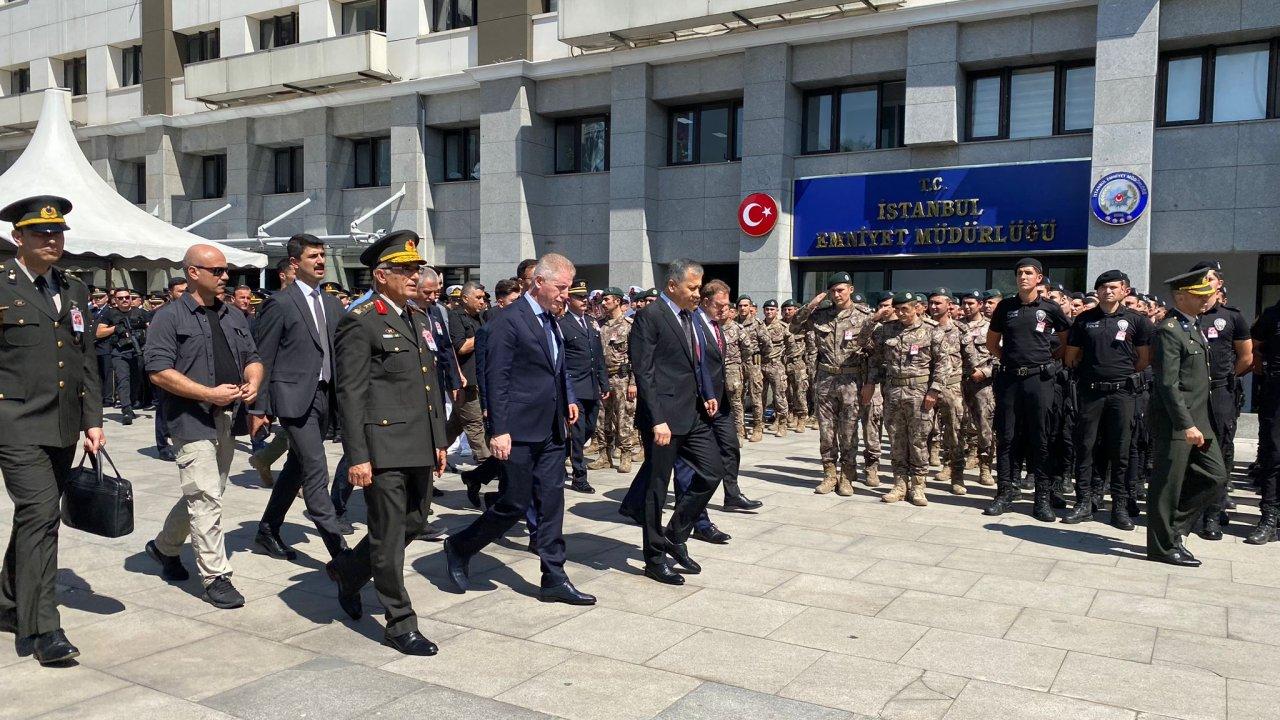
x=380 y=306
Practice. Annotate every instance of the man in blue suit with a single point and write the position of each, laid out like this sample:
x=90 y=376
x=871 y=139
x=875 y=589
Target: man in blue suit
x=531 y=406
x=584 y=360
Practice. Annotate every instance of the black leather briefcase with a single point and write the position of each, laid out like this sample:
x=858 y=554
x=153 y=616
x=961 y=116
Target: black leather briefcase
x=97 y=503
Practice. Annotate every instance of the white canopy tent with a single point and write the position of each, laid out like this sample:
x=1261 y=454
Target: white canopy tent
x=103 y=224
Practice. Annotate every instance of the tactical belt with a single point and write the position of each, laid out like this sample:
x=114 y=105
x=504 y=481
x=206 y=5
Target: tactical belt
x=833 y=370
x=953 y=380
x=1026 y=370
x=917 y=381
x=1218 y=384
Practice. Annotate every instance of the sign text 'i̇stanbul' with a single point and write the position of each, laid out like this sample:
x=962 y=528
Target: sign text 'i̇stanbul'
x=1025 y=207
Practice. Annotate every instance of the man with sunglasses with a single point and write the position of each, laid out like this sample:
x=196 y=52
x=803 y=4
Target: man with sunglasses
x=123 y=325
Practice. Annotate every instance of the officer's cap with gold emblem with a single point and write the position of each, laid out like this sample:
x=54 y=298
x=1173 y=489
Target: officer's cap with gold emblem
x=1193 y=282
x=42 y=213
x=398 y=248
x=332 y=288
x=579 y=287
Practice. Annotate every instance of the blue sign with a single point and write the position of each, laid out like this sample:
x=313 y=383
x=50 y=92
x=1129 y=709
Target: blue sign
x=1118 y=198
x=1023 y=208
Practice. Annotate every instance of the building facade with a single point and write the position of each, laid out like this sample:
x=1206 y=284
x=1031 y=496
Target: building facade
x=625 y=134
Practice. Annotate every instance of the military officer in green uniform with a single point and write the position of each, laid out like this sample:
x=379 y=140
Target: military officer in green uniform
x=1189 y=472
x=49 y=395
x=392 y=411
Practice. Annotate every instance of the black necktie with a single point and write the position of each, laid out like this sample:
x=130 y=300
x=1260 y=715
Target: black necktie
x=42 y=284
x=687 y=321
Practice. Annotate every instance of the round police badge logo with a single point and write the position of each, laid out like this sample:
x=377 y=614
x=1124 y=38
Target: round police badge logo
x=1220 y=324
x=1040 y=315
x=1119 y=198
x=1123 y=325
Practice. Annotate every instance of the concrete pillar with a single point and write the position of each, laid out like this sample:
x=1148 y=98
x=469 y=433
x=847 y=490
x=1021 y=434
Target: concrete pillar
x=165 y=185
x=1123 y=128
x=102 y=75
x=246 y=201
x=45 y=73
x=771 y=140
x=236 y=36
x=409 y=168
x=933 y=78
x=317 y=19
x=637 y=144
x=407 y=20
x=160 y=59
x=321 y=174
x=510 y=181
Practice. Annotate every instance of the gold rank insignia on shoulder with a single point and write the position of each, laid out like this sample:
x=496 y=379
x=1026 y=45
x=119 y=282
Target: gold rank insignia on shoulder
x=360 y=309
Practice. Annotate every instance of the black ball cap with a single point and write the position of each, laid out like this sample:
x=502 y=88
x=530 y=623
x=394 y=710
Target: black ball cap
x=41 y=213
x=1110 y=276
x=1030 y=262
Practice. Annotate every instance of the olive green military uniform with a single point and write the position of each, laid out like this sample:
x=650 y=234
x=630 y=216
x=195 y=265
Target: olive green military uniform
x=773 y=370
x=949 y=412
x=392 y=415
x=616 y=424
x=979 y=399
x=49 y=393
x=908 y=362
x=1186 y=479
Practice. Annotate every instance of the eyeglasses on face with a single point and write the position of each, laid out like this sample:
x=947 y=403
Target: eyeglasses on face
x=215 y=271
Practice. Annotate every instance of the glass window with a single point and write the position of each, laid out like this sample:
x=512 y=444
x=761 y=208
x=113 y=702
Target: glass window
x=288 y=170
x=582 y=144
x=450 y=14
x=203 y=45
x=75 y=76
x=278 y=31
x=1240 y=82
x=21 y=81
x=682 y=123
x=858 y=119
x=131 y=66
x=893 y=113
x=1031 y=102
x=371 y=162
x=595 y=145
x=462 y=154
x=1077 y=98
x=1182 y=89
x=706 y=134
x=713 y=135
x=213 y=176
x=139 y=182
x=984 y=107
x=364 y=15
x=737 y=132
x=566 y=147
x=818 y=117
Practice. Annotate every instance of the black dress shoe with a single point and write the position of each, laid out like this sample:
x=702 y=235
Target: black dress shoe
x=171 y=568
x=431 y=533
x=1212 y=527
x=663 y=573
x=713 y=535
x=345 y=526
x=436 y=492
x=457 y=566
x=348 y=596
x=167 y=454
x=411 y=643
x=625 y=512
x=566 y=593
x=9 y=621
x=272 y=545
x=1182 y=548
x=1174 y=558
x=741 y=503
x=473 y=491
x=581 y=485
x=680 y=553
x=126 y=420
x=53 y=647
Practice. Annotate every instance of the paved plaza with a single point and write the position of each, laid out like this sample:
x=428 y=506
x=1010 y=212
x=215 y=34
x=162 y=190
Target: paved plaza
x=820 y=607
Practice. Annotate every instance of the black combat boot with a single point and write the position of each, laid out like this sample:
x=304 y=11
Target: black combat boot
x=1005 y=497
x=1266 y=530
x=1082 y=511
x=1042 y=510
x=1212 y=529
x=1120 y=518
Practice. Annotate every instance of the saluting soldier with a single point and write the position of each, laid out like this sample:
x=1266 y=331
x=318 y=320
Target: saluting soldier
x=392 y=410
x=871 y=415
x=1189 y=472
x=49 y=395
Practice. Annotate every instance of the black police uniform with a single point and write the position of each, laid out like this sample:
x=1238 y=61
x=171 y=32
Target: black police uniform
x=1024 y=387
x=49 y=394
x=1266 y=348
x=102 y=347
x=1224 y=326
x=1107 y=384
x=126 y=354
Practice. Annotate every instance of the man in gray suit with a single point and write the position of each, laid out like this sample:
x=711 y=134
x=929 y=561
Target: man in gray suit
x=294 y=334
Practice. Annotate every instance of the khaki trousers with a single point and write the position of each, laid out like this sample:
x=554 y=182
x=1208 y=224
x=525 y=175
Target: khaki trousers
x=203 y=466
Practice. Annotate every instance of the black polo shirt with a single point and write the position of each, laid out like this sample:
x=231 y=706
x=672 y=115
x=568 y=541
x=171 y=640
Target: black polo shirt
x=1026 y=331
x=1223 y=326
x=1266 y=330
x=461 y=327
x=1109 y=343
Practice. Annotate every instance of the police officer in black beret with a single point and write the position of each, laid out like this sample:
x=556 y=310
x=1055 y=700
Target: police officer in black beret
x=49 y=395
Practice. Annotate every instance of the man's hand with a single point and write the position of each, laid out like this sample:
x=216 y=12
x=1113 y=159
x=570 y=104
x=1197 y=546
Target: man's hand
x=712 y=406
x=605 y=395
x=930 y=400
x=442 y=458
x=223 y=395
x=500 y=446
x=978 y=376
x=94 y=440
x=662 y=435
x=360 y=475
x=573 y=413
x=454 y=394
x=248 y=393
x=868 y=392
x=1193 y=436
x=631 y=393
x=884 y=313
x=258 y=423
x=817 y=299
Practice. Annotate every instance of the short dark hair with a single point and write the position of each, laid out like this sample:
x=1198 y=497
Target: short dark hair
x=242 y=287
x=176 y=281
x=299 y=243
x=525 y=265
x=506 y=286
x=714 y=287
x=283 y=265
x=470 y=286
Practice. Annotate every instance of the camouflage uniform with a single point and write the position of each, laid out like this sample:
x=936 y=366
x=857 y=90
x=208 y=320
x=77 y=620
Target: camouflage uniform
x=754 y=340
x=733 y=352
x=949 y=411
x=774 y=371
x=839 y=337
x=979 y=399
x=617 y=415
x=811 y=368
x=797 y=378
x=871 y=418
x=908 y=362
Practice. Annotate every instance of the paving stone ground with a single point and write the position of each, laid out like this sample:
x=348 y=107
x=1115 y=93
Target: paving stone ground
x=820 y=607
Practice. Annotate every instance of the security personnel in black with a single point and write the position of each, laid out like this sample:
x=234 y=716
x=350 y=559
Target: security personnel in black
x=124 y=328
x=392 y=411
x=1230 y=355
x=584 y=363
x=1022 y=326
x=49 y=395
x=1189 y=472
x=100 y=303
x=1265 y=334
x=1108 y=345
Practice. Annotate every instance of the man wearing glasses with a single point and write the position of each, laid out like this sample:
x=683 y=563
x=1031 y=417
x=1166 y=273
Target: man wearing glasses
x=202 y=355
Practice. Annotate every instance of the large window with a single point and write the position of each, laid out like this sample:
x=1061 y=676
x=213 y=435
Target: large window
x=1219 y=84
x=201 y=46
x=363 y=15
x=213 y=176
x=20 y=81
x=706 y=133
x=75 y=75
x=288 y=169
x=582 y=144
x=278 y=31
x=139 y=172
x=461 y=154
x=131 y=66
x=863 y=117
x=450 y=14
x=1027 y=102
x=371 y=162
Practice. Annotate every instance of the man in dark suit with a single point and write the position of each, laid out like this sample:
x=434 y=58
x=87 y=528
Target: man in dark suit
x=584 y=359
x=392 y=413
x=294 y=335
x=530 y=404
x=49 y=395
x=675 y=405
